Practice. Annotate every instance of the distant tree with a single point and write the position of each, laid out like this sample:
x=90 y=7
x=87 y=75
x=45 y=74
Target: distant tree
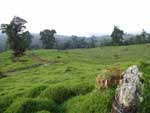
x=92 y=43
x=142 y=38
x=75 y=41
x=105 y=42
x=48 y=38
x=67 y=45
x=83 y=43
x=28 y=39
x=18 y=39
x=117 y=36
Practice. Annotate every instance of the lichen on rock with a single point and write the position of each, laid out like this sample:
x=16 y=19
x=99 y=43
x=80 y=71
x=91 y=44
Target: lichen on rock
x=129 y=92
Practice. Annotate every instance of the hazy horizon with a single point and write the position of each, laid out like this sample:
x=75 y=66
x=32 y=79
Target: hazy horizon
x=79 y=17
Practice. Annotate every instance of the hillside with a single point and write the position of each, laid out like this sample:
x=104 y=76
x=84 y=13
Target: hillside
x=63 y=81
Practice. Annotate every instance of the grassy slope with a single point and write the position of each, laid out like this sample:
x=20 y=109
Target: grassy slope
x=67 y=86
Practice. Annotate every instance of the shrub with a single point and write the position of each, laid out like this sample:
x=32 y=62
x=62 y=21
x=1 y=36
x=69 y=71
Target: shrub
x=58 y=56
x=1 y=74
x=28 y=105
x=144 y=64
x=60 y=93
x=43 y=111
x=35 y=91
x=125 y=49
x=108 y=78
x=5 y=102
x=117 y=56
x=69 y=69
x=94 y=102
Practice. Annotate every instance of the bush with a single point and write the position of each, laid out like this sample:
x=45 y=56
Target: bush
x=108 y=78
x=69 y=69
x=35 y=91
x=58 y=56
x=43 y=111
x=94 y=102
x=144 y=64
x=5 y=102
x=28 y=105
x=60 y=93
x=1 y=74
x=116 y=56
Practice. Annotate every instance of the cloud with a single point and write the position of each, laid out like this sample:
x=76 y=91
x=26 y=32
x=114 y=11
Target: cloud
x=79 y=17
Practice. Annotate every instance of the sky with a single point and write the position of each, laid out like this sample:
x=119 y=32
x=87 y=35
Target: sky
x=79 y=17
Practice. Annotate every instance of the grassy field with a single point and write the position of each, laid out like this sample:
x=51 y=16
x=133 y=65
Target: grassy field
x=63 y=81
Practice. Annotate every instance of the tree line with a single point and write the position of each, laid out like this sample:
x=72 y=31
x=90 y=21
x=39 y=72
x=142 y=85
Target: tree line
x=19 y=38
x=117 y=38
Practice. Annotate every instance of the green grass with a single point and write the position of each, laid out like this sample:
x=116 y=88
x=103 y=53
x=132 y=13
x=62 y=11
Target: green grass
x=67 y=86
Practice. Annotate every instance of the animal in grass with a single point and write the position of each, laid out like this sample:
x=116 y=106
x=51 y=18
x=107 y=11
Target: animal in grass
x=112 y=80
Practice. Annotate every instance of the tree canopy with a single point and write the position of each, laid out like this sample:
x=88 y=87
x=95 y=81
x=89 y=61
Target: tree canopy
x=48 y=38
x=117 y=36
x=18 y=38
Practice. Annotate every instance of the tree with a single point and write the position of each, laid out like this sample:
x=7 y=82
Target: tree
x=117 y=36
x=92 y=41
x=142 y=38
x=48 y=39
x=83 y=43
x=18 y=39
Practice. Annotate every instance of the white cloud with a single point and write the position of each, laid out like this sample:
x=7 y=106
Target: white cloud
x=80 y=17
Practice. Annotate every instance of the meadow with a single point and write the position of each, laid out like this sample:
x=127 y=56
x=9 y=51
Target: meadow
x=63 y=81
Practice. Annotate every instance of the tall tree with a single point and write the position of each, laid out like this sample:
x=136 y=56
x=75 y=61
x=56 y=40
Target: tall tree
x=18 y=39
x=117 y=36
x=142 y=38
x=93 y=41
x=48 y=38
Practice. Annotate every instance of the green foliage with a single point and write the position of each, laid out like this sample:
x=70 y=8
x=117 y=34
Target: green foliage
x=141 y=38
x=67 y=86
x=35 y=91
x=18 y=39
x=144 y=64
x=117 y=36
x=5 y=101
x=61 y=92
x=144 y=37
x=27 y=105
x=94 y=102
x=43 y=111
x=78 y=42
x=1 y=74
x=93 y=42
x=48 y=39
x=145 y=68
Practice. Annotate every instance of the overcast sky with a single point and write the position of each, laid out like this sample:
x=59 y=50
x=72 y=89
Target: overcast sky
x=79 y=17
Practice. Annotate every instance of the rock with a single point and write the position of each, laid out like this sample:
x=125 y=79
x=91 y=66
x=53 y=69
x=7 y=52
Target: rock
x=129 y=92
